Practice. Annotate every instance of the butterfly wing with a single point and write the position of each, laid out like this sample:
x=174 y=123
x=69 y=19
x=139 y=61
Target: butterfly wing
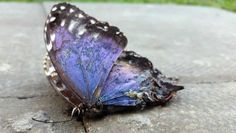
x=133 y=81
x=82 y=49
x=58 y=85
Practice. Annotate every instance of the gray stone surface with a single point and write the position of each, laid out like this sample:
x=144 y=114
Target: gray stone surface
x=196 y=44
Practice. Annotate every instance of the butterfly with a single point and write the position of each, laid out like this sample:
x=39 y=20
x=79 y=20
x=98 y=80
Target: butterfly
x=86 y=63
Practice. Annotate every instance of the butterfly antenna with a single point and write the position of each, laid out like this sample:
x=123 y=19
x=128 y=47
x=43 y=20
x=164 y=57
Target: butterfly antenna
x=50 y=121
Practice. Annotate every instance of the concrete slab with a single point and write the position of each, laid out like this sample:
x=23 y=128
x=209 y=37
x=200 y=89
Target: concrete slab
x=194 y=43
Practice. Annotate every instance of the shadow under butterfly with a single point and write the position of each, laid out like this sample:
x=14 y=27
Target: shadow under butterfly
x=87 y=64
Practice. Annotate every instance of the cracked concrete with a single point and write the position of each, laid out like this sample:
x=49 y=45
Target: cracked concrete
x=196 y=44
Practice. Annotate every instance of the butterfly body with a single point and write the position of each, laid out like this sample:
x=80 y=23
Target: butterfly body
x=88 y=66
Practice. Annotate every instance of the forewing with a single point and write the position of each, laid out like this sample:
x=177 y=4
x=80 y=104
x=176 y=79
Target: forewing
x=82 y=49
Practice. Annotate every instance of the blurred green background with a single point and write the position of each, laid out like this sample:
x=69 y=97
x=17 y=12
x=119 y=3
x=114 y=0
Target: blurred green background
x=225 y=4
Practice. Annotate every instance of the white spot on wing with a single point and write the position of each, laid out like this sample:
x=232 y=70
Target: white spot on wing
x=53 y=37
x=52 y=19
x=82 y=30
x=49 y=47
x=50 y=71
x=54 y=9
x=105 y=28
x=72 y=10
x=92 y=21
x=100 y=28
x=62 y=7
x=71 y=25
x=81 y=16
x=63 y=22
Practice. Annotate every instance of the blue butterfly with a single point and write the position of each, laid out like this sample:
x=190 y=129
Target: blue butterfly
x=88 y=66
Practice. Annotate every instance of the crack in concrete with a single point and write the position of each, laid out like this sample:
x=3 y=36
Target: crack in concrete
x=26 y=97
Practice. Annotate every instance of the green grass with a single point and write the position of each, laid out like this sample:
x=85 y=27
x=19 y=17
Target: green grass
x=225 y=4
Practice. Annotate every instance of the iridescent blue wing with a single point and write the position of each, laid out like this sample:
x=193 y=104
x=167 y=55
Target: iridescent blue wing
x=82 y=49
x=133 y=81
